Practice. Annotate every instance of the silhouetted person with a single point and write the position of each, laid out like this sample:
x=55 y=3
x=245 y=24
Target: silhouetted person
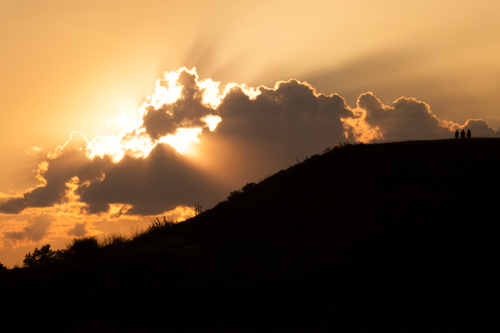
x=468 y=134
x=462 y=134
x=456 y=134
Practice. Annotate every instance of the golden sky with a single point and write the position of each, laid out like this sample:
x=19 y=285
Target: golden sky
x=74 y=65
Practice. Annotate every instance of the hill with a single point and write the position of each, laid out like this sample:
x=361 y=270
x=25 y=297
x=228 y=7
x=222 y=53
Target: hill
x=396 y=235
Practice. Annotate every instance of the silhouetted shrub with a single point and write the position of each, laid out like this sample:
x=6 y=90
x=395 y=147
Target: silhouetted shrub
x=136 y=232
x=244 y=189
x=113 y=239
x=233 y=194
x=248 y=187
x=158 y=224
x=42 y=256
x=341 y=145
x=83 y=246
x=2 y=267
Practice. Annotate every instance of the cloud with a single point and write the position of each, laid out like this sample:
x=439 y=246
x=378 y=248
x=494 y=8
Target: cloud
x=407 y=119
x=34 y=151
x=67 y=161
x=480 y=128
x=78 y=230
x=35 y=231
x=142 y=171
x=186 y=112
x=152 y=185
x=291 y=115
x=160 y=182
x=263 y=133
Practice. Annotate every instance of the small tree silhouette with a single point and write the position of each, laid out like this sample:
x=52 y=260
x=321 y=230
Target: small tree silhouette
x=42 y=256
x=2 y=267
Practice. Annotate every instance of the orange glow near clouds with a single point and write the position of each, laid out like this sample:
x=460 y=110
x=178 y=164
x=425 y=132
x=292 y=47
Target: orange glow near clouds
x=133 y=139
x=212 y=121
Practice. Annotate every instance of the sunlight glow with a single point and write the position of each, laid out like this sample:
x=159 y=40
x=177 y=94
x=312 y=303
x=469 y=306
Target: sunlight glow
x=361 y=130
x=212 y=121
x=180 y=213
x=117 y=210
x=167 y=91
x=211 y=94
x=42 y=168
x=182 y=138
x=133 y=139
x=109 y=145
x=71 y=188
x=123 y=121
x=117 y=145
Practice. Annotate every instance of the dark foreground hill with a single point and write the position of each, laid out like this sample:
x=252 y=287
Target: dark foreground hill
x=401 y=236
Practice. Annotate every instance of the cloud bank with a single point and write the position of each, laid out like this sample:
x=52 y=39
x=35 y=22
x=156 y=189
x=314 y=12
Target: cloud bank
x=195 y=141
x=36 y=230
x=410 y=119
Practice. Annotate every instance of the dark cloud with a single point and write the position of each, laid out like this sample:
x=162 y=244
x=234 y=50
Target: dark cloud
x=186 y=112
x=160 y=182
x=256 y=137
x=410 y=119
x=70 y=161
x=406 y=119
x=78 y=230
x=35 y=231
x=262 y=135
x=13 y=206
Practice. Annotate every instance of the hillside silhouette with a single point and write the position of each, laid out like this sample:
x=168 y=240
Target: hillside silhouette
x=402 y=236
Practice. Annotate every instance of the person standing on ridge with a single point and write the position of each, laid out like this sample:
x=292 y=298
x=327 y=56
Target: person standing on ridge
x=456 y=134
x=469 y=134
x=462 y=134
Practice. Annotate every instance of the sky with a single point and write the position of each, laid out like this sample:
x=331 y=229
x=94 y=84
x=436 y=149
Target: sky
x=114 y=112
